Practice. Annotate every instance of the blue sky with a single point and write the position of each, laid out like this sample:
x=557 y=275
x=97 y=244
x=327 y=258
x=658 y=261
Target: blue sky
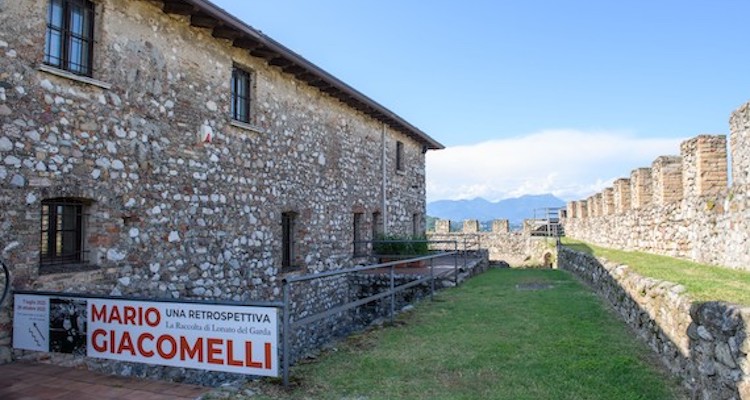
x=602 y=87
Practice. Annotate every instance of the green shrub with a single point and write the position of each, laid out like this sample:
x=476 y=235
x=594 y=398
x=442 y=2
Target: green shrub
x=395 y=245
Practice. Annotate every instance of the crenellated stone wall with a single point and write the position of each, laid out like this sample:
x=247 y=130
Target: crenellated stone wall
x=704 y=344
x=517 y=248
x=682 y=206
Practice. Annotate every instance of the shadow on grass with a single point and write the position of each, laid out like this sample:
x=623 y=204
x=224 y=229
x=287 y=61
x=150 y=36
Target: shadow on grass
x=700 y=369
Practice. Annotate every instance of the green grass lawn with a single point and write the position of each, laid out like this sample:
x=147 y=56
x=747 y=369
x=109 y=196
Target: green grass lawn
x=703 y=282
x=489 y=340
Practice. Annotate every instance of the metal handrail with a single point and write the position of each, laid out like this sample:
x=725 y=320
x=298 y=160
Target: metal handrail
x=288 y=325
x=6 y=289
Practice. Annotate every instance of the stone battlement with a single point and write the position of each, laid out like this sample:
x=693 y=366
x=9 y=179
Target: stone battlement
x=681 y=206
x=472 y=226
x=517 y=248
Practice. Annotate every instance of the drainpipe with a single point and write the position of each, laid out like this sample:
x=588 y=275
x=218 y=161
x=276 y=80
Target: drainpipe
x=382 y=189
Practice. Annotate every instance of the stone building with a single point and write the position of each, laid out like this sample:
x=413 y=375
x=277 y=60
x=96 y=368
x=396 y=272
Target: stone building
x=166 y=149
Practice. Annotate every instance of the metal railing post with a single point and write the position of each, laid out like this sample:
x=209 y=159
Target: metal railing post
x=455 y=263
x=466 y=253
x=432 y=279
x=393 y=293
x=287 y=332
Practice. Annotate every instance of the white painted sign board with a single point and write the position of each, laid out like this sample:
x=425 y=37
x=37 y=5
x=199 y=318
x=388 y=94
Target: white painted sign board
x=226 y=338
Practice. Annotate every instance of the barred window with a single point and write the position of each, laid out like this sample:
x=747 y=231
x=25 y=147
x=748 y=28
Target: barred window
x=62 y=231
x=288 y=240
x=241 y=95
x=69 y=43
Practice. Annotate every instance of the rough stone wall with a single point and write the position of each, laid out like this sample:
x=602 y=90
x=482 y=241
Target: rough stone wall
x=704 y=344
x=739 y=125
x=471 y=226
x=442 y=226
x=704 y=166
x=571 y=210
x=691 y=214
x=517 y=248
x=582 y=209
x=608 y=201
x=171 y=216
x=592 y=207
x=500 y=226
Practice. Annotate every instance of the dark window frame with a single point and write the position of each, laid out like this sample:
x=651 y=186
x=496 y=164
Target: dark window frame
x=399 y=156
x=66 y=47
x=241 y=96
x=288 y=240
x=60 y=242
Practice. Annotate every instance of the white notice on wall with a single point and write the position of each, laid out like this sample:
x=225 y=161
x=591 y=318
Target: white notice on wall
x=31 y=322
x=214 y=337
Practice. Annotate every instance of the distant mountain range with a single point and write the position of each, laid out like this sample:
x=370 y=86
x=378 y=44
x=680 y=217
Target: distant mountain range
x=515 y=210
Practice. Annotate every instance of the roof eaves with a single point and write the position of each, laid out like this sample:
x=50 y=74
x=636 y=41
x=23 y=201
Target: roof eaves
x=277 y=50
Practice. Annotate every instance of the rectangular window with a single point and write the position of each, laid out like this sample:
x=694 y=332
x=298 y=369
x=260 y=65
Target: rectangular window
x=288 y=256
x=241 y=95
x=359 y=244
x=69 y=41
x=399 y=156
x=62 y=232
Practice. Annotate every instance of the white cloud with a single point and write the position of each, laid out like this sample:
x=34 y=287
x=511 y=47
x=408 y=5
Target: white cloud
x=571 y=164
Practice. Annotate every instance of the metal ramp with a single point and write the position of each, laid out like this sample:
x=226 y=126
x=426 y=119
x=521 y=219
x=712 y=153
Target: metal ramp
x=546 y=223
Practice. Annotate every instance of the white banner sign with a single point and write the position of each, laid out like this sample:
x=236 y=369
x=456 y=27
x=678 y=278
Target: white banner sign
x=225 y=338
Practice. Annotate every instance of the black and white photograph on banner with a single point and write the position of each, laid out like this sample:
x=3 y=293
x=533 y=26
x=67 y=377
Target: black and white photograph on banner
x=67 y=326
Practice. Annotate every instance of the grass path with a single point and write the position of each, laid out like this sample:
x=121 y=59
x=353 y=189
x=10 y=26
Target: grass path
x=703 y=282
x=489 y=340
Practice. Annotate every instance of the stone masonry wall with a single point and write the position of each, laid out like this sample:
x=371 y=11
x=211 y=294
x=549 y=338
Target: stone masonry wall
x=517 y=248
x=682 y=206
x=169 y=215
x=704 y=344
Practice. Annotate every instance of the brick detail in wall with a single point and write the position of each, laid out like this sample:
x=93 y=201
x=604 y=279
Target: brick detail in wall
x=622 y=195
x=667 y=179
x=641 y=188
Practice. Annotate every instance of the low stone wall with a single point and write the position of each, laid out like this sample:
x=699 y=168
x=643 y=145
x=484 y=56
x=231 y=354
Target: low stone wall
x=705 y=344
x=517 y=248
x=307 y=298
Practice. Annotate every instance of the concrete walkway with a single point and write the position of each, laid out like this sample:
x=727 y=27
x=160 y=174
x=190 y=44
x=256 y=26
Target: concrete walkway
x=27 y=381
